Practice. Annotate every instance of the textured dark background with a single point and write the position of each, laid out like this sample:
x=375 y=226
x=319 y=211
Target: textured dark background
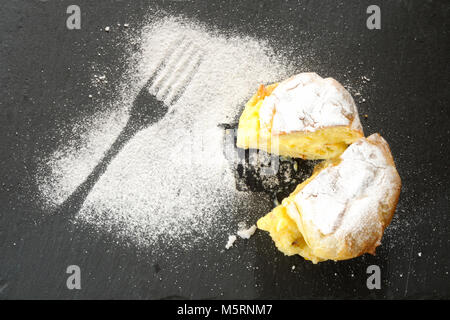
x=43 y=75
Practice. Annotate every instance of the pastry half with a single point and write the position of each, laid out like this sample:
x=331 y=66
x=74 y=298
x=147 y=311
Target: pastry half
x=341 y=211
x=304 y=116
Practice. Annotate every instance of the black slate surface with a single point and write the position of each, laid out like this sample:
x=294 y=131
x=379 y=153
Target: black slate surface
x=45 y=85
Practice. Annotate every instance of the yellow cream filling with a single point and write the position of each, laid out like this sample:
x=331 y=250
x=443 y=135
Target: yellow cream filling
x=284 y=231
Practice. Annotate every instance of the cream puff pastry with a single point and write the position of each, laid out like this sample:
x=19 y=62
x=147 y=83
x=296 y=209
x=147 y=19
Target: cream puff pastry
x=304 y=116
x=341 y=211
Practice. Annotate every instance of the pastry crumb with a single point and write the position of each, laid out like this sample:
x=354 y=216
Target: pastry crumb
x=246 y=233
x=231 y=240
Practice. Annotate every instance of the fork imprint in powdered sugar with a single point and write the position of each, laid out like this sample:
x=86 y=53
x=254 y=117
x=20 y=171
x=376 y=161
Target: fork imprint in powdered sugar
x=171 y=77
x=161 y=91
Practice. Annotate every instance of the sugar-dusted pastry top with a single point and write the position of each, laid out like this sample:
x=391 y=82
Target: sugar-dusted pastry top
x=346 y=207
x=307 y=102
x=343 y=197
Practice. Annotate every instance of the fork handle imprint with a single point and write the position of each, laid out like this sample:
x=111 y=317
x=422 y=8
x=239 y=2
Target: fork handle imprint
x=75 y=201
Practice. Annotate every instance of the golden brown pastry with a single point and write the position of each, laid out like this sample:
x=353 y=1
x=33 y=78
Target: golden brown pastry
x=304 y=116
x=341 y=211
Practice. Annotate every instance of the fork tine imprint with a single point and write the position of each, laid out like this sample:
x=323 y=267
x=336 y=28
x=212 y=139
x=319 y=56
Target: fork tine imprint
x=189 y=73
x=161 y=64
x=174 y=73
x=169 y=63
x=172 y=80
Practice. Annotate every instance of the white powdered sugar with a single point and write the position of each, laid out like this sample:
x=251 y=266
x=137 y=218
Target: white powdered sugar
x=171 y=182
x=307 y=102
x=348 y=196
x=68 y=166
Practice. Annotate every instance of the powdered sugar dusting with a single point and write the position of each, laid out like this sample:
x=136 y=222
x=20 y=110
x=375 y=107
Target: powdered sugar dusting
x=67 y=167
x=171 y=182
x=306 y=102
x=345 y=198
